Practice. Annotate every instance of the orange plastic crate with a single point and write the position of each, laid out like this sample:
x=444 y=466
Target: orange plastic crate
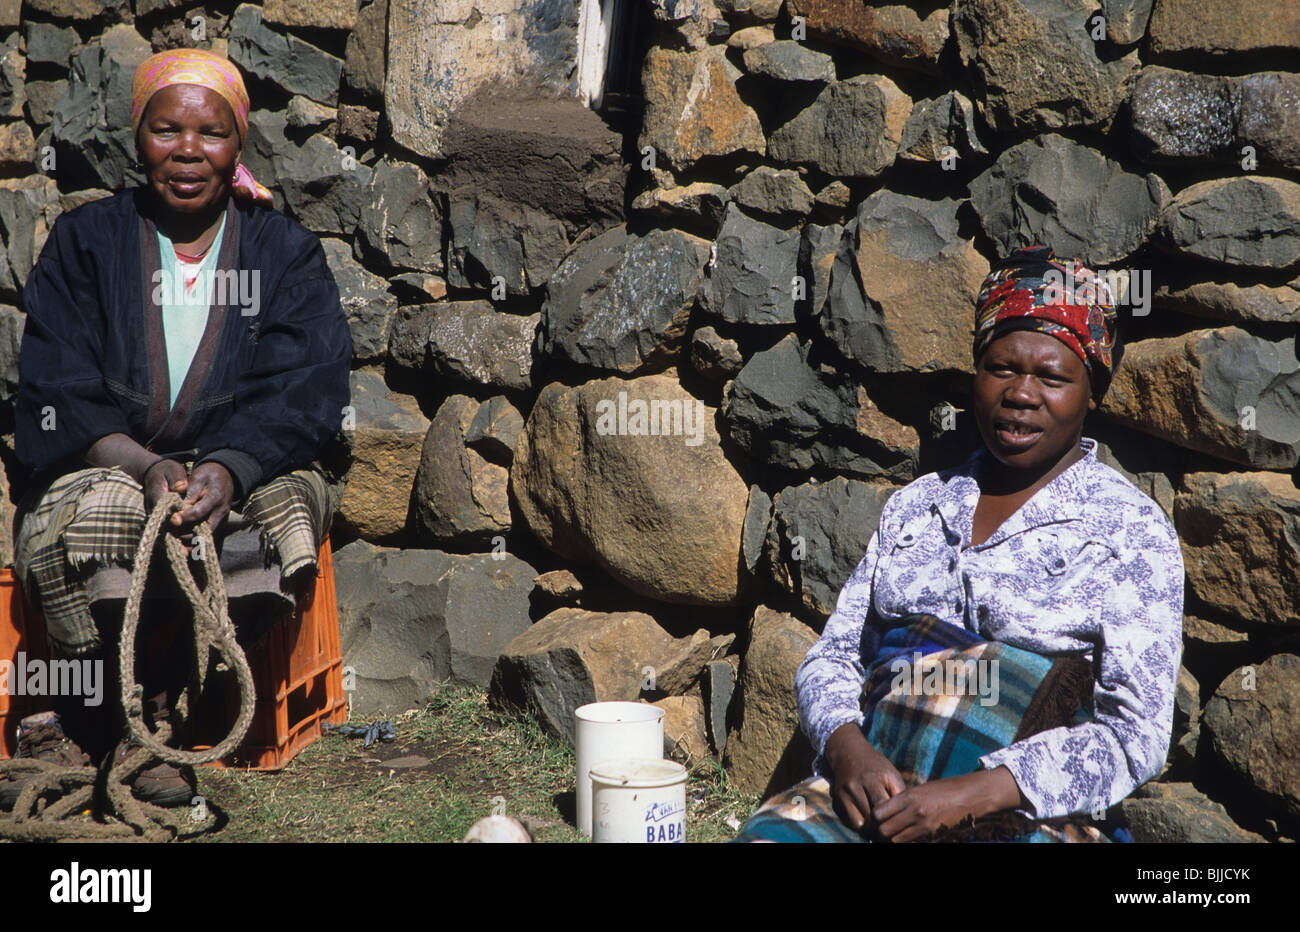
x=297 y=674
x=21 y=631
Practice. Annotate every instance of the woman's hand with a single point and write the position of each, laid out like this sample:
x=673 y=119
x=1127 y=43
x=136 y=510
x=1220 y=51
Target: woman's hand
x=159 y=478
x=208 y=495
x=864 y=778
x=920 y=810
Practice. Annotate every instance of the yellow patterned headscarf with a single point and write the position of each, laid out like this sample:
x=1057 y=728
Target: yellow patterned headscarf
x=195 y=66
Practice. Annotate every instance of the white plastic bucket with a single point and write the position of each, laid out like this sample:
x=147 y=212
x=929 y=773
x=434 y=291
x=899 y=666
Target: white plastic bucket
x=638 y=801
x=609 y=730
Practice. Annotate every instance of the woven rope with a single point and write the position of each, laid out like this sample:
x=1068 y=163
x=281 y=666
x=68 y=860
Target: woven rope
x=55 y=795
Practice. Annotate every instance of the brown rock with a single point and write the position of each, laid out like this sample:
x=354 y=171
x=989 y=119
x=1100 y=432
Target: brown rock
x=592 y=488
x=1254 y=725
x=386 y=441
x=751 y=37
x=469 y=341
x=1212 y=28
x=1211 y=632
x=320 y=14
x=715 y=357
x=852 y=128
x=460 y=498
x=910 y=259
x=692 y=108
x=17 y=146
x=9 y=10
x=682 y=671
x=684 y=737
x=573 y=657
x=1230 y=301
x=1034 y=72
x=896 y=34
x=1241 y=543
x=367 y=51
x=697 y=201
x=1179 y=813
x=1250 y=222
x=359 y=123
x=1223 y=392
x=766 y=751
x=560 y=585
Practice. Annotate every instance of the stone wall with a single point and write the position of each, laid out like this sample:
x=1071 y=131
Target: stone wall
x=629 y=395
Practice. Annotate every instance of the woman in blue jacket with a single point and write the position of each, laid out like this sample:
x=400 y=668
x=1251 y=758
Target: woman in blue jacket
x=181 y=336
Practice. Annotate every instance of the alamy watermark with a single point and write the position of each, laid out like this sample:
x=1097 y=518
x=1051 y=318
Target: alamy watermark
x=655 y=418
x=950 y=676
x=1127 y=286
x=227 y=286
x=35 y=677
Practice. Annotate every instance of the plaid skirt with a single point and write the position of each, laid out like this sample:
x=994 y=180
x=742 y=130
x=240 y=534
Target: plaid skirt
x=76 y=541
x=931 y=726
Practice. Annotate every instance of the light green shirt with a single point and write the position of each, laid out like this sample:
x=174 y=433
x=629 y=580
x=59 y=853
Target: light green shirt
x=184 y=310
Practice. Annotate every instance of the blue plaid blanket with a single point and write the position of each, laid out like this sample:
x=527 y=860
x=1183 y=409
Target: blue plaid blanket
x=936 y=699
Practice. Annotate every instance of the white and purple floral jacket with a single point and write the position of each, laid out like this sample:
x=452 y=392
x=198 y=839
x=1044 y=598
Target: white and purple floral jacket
x=1089 y=565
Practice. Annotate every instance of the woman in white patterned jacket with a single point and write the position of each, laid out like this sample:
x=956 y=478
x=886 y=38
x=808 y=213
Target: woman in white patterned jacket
x=1032 y=542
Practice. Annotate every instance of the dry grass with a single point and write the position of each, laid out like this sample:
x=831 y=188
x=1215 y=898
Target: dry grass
x=473 y=758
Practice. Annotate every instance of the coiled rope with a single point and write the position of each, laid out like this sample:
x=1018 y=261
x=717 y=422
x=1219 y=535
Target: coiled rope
x=55 y=795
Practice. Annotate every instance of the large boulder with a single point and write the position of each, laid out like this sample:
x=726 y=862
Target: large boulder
x=324 y=187
x=751 y=273
x=497 y=243
x=573 y=657
x=400 y=222
x=289 y=63
x=412 y=619
x=1177 y=813
x=91 y=124
x=797 y=417
x=623 y=301
x=366 y=300
x=1241 y=544
x=1225 y=392
x=779 y=195
x=692 y=108
x=469 y=342
x=1055 y=191
x=852 y=128
x=895 y=34
x=460 y=497
x=28 y=208
x=1231 y=301
x=1180 y=115
x=1253 y=720
x=1252 y=222
x=818 y=536
x=385 y=433
x=1036 y=65
x=1207 y=28
x=366 y=57
x=899 y=259
x=613 y=472
x=941 y=128
x=316 y=14
x=766 y=750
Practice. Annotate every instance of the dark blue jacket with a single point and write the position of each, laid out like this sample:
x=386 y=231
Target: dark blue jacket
x=269 y=380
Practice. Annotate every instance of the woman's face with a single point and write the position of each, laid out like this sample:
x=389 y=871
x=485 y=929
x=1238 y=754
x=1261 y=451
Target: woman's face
x=1032 y=382
x=189 y=144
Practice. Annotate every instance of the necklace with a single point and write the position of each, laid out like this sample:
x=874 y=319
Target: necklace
x=188 y=258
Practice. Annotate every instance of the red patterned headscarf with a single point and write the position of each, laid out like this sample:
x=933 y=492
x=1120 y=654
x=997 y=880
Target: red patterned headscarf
x=1032 y=289
x=206 y=69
